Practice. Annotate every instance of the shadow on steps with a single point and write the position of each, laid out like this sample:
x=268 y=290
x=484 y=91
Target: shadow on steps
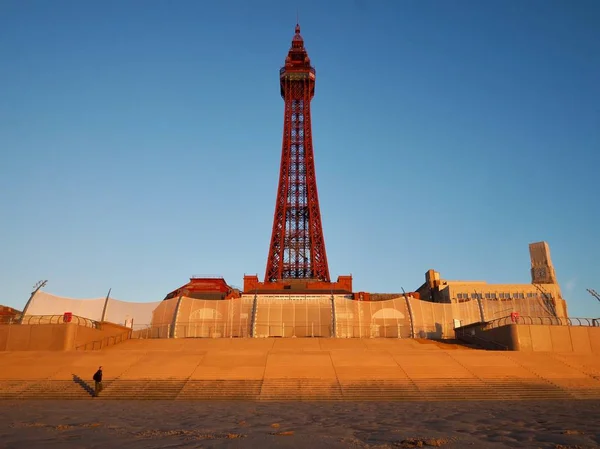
x=83 y=384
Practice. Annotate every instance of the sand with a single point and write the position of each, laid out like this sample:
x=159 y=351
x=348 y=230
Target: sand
x=180 y=424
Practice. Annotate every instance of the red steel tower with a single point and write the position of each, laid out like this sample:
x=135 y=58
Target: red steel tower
x=297 y=261
x=297 y=249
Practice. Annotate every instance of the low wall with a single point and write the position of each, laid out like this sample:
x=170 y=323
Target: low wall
x=533 y=337
x=32 y=337
x=53 y=337
x=503 y=337
x=538 y=337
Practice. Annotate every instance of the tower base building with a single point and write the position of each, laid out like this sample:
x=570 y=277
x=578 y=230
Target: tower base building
x=298 y=286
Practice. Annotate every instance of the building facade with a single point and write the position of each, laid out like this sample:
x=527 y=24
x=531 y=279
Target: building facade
x=544 y=288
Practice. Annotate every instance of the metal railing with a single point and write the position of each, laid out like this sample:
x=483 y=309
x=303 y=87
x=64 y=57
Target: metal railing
x=163 y=331
x=211 y=330
x=270 y=329
x=373 y=331
x=207 y=276
x=547 y=320
x=111 y=340
x=59 y=319
x=193 y=330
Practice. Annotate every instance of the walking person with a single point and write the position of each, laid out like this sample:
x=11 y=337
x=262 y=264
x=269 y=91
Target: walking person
x=98 y=382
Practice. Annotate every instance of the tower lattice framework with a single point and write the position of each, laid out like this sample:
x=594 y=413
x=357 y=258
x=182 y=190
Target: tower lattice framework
x=297 y=249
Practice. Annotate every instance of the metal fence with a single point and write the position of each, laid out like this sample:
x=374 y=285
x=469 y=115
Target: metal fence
x=270 y=329
x=264 y=330
x=374 y=331
x=163 y=331
x=210 y=330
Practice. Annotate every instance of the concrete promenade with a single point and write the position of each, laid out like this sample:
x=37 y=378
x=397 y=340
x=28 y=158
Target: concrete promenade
x=300 y=369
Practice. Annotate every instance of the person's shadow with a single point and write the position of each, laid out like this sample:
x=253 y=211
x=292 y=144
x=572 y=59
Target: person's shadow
x=83 y=384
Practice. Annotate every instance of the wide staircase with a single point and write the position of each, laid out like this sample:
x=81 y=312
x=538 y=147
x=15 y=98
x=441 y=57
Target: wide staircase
x=310 y=369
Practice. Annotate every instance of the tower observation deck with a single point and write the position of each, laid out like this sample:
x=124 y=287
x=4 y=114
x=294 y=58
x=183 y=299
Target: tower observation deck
x=297 y=259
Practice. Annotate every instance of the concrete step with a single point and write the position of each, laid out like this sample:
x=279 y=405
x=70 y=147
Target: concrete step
x=381 y=390
x=295 y=389
x=221 y=389
x=11 y=388
x=44 y=389
x=142 y=389
x=585 y=393
x=301 y=389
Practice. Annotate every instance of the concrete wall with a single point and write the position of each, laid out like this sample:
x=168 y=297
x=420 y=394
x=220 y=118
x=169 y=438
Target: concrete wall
x=44 y=337
x=52 y=337
x=534 y=337
x=504 y=337
x=559 y=338
x=544 y=338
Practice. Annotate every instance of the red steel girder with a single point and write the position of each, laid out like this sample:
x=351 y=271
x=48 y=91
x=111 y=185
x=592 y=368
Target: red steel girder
x=297 y=249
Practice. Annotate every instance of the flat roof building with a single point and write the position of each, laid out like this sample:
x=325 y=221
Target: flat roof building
x=544 y=286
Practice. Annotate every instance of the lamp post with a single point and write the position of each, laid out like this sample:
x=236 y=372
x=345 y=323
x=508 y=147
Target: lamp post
x=36 y=288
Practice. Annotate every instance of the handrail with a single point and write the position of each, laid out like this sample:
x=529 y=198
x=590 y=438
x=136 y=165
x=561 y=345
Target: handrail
x=226 y=330
x=60 y=319
x=547 y=320
x=104 y=342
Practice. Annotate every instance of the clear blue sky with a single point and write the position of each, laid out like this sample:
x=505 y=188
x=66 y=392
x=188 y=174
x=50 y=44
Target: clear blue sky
x=140 y=141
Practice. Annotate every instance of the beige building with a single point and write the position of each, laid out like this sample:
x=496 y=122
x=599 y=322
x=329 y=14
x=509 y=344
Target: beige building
x=543 y=290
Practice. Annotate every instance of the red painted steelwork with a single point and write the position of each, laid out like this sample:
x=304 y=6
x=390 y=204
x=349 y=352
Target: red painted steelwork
x=205 y=288
x=297 y=249
x=298 y=286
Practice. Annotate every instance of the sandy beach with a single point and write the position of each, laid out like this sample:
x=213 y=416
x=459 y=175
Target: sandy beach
x=141 y=424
